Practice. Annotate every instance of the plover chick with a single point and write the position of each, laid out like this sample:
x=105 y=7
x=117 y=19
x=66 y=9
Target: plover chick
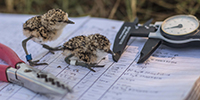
x=86 y=51
x=43 y=28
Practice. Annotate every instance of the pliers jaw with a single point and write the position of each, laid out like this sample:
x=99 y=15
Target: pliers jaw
x=35 y=80
x=22 y=74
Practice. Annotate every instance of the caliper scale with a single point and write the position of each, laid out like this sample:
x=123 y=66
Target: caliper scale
x=175 y=31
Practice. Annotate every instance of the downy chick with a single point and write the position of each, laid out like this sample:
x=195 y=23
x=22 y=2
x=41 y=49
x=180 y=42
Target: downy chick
x=86 y=51
x=43 y=28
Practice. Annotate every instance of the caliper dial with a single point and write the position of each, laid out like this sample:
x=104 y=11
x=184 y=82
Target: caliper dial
x=180 y=25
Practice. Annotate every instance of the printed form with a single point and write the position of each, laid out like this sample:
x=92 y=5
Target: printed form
x=169 y=74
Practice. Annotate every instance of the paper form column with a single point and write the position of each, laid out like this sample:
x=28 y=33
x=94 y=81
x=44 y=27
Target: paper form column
x=167 y=75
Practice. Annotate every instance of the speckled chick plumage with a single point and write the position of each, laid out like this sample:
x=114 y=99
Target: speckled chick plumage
x=88 y=49
x=46 y=27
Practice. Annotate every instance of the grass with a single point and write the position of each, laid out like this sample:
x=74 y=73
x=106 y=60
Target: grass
x=126 y=10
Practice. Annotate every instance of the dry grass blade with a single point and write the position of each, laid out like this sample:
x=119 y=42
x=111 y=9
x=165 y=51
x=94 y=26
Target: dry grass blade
x=9 y=5
x=114 y=9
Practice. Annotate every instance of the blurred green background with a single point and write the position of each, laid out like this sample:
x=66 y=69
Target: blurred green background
x=125 y=10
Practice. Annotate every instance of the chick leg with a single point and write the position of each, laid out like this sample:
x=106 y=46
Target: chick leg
x=68 y=61
x=52 y=49
x=28 y=56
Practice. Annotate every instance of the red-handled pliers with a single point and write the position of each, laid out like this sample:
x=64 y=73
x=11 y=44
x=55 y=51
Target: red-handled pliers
x=22 y=74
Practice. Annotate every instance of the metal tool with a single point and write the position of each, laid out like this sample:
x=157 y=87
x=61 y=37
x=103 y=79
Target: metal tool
x=175 y=31
x=22 y=74
x=128 y=30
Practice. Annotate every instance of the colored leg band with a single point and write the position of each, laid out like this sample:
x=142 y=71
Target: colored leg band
x=28 y=57
x=73 y=62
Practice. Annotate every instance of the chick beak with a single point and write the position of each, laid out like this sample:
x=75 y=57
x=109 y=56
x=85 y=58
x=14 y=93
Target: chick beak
x=115 y=56
x=69 y=22
x=111 y=52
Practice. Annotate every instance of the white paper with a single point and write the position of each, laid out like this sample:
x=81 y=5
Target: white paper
x=168 y=74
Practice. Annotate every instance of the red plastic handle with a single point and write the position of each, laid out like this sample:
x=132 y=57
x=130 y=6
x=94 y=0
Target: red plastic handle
x=3 y=76
x=9 y=56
